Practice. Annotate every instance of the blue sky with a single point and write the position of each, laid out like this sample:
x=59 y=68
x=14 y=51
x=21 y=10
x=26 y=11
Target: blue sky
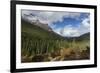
x=67 y=24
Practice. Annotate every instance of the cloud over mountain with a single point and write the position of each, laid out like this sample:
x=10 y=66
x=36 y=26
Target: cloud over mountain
x=67 y=24
x=49 y=16
x=71 y=31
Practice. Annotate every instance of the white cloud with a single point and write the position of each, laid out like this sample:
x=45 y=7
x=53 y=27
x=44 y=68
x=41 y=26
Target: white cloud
x=71 y=31
x=68 y=31
x=49 y=17
x=85 y=23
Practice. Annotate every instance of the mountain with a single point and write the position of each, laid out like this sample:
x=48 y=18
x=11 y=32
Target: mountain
x=38 y=30
x=85 y=36
x=41 y=25
x=32 y=30
x=36 y=22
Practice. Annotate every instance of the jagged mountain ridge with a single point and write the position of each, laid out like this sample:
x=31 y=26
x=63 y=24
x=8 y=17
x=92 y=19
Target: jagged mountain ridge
x=37 y=23
x=46 y=27
x=33 y=31
x=42 y=25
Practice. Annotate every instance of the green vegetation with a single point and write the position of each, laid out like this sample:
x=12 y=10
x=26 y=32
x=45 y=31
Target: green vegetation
x=38 y=45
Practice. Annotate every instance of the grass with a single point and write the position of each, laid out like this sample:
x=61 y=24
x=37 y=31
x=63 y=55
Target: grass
x=37 y=49
x=39 y=45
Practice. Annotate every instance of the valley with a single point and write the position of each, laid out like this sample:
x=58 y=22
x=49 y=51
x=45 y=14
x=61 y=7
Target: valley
x=39 y=44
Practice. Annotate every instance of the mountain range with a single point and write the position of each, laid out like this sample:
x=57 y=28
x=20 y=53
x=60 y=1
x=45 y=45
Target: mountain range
x=40 y=30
